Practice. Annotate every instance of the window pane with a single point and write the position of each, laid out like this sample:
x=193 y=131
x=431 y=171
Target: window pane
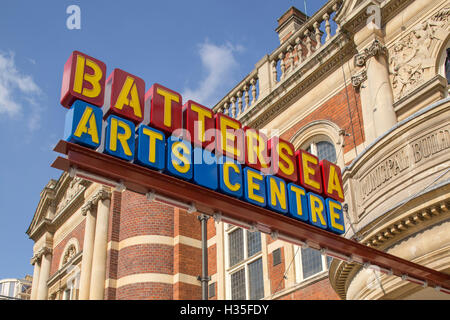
x=253 y=243
x=311 y=262
x=238 y=285
x=329 y=259
x=255 y=274
x=325 y=150
x=236 y=246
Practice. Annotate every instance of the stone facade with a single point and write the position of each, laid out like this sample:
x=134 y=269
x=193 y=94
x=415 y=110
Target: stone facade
x=358 y=82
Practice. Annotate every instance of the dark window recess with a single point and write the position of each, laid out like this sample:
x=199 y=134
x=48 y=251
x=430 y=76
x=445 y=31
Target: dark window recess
x=447 y=66
x=212 y=290
x=276 y=256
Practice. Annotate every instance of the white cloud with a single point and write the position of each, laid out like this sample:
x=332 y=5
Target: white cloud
x=220 y=65
x=16 y=90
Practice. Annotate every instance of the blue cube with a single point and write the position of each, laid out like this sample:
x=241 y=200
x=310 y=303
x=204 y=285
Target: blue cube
x=317 y=210
x=298 y=203
x=151 y=148
x=230 y=177
x=84 y=124
x=179 y=158
x=206 y=169
x=254 y=187
x=120 y=138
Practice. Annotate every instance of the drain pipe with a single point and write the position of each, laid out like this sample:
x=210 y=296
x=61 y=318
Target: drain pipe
x=204 y=278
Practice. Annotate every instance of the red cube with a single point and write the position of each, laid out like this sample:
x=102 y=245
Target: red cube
x=165 y=108
x=309 y=168
x=83 y=79
x=332 y=180
x=199 y=123
x=124 y=96
x=256 y=149
x=282 y=159
x=229 y=137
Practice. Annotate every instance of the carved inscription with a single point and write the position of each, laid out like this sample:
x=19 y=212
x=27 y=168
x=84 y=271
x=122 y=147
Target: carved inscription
x=431 y=144
x=384 y=171
x=413 y=153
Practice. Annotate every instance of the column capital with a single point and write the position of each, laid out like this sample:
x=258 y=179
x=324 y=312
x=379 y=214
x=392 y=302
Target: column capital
x=101 y=194
x=375 y=48
x=35 y=259
x=45 y=250
x=88 y=206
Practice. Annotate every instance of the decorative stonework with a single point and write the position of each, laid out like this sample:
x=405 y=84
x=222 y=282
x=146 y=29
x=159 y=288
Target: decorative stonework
x=40 y=253
x=75 y=187
x=359 y=78
x=88 y=206
x=411 y=59
x=376 y=48
x=101 y=194
x=343 y=272
x=69 y=254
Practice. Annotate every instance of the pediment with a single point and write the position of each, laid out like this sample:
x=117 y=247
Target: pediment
x=55 y=197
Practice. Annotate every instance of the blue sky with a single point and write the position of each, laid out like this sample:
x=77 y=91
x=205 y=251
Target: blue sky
x=200 y=49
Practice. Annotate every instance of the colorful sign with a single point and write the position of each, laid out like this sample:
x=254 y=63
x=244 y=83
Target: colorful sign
x=192 y=143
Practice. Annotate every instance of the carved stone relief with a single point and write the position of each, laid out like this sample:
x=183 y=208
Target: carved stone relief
x=411 y=59
x=74 y=188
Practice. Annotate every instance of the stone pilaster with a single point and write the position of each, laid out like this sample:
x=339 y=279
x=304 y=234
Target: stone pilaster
x=87 y=210
x=98 y=274
x=44 y=273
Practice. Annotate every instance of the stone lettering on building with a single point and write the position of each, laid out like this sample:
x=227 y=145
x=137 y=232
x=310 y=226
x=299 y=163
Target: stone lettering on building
x=385 y=171
x=430 y=144
x=408 y=156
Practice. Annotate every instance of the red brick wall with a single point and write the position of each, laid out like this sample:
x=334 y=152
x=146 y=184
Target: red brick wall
x=187 y=259
x=276 y=273
x=145 y=291
x=58 y=251
x=138 y=217
x=336 y=110
x=112 y=258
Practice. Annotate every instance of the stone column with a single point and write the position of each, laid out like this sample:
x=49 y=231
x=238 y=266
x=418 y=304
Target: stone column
x=37 y=267
x=88 y=250
x=98 y=274
x=44 y=273
x=376 y=93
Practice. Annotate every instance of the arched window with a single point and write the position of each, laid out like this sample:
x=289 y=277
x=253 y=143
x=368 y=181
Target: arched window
x=323 y=150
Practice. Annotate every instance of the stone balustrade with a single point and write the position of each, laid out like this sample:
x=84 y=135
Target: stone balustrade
x=273 y=69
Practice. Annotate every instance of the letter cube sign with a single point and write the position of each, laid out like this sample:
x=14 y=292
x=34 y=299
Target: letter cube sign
x=83 y=79
x=200 y=124
x=84 y=124
x=124 y=96
x=166 y=111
